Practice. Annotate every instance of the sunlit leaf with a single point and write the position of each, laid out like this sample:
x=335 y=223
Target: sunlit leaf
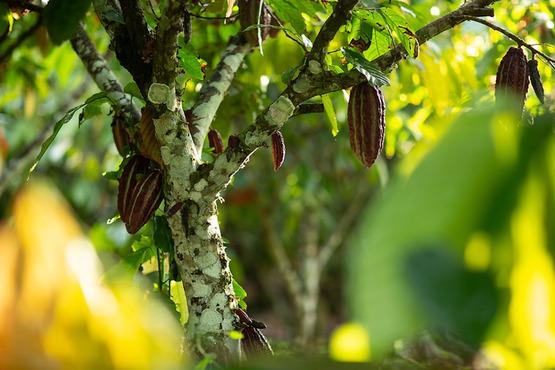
x=330 y=113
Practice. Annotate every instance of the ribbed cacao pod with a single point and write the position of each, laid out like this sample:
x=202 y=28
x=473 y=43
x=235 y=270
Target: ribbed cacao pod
x=366 y=116
x=120 y=134
x=148 y=145
x=535 y=79
x=278 y=150
x=215 y=141
x=512 y=77
x=139 y=192
x=248 y=16
x=145 y=200
x=254 y=343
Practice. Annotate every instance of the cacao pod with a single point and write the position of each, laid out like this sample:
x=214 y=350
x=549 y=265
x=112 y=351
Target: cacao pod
x=254 y=343
x=233 y=141
x=278 y=150
x=148 y=145
x=248 y=16
x=535 y=79
x=512 y=77
x=139 y=192
x=145 y=200
x=215 y=141
x=120 y=134
x=366 y=116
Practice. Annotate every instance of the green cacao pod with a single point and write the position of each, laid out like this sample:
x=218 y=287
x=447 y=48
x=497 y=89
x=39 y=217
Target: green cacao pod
x=248 y=16
x=512 y=77
x=278 y=150
x=366 y=116
x=536 y=80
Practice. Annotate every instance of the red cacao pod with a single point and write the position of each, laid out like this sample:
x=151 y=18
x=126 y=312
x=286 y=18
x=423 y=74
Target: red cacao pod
x=278 y=150
x=248 y=16
x=148 y=144
x=136 y=167
x=120 y=134
x=512 y=77
x=145 y=200
x=139 y=192
x=254 y=343
x=215 y=141
x=535 y=79
x=366 y=116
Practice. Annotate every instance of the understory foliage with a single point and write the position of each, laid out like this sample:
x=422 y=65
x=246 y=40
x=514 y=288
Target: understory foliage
x=440 y=255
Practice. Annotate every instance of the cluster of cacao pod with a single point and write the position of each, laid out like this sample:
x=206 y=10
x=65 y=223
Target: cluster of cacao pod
x=249 y=11
x=514 y=74
x=253 y=343
x=366 y=118
x=139 y=192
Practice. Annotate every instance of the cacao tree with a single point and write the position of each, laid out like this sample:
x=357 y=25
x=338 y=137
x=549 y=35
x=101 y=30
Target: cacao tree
x=176 y=167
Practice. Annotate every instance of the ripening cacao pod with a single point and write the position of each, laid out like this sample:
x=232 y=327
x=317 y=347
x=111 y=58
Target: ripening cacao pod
x=145 y=200
x=139 y=192
x=248 y=16
x=278 y=150
x=366 y=116
x=535 y=79
x=215 y=141
x=120 y=134
x=512 y=77
x=254 y=343
x=148 y=144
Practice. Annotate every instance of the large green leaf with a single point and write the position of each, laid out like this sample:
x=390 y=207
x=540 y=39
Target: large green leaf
x=467 y=179
x=62 y=17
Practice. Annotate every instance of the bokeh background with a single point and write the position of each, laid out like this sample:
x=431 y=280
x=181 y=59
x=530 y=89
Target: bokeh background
x=440 y=255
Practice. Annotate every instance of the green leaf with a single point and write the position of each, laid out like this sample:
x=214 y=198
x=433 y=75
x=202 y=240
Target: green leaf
x=330 y=113
x=372 y=73
x=58 y=126
x=177 y=295
x=188 y=60
x=162 y=234
x=133 y=89
x=289 y=13
x=62 y=17
x=240 y=293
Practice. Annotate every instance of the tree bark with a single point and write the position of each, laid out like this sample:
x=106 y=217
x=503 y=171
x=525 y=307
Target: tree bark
x=204 y=269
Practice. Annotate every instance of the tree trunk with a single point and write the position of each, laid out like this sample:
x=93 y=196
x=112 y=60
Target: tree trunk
x=204 y=269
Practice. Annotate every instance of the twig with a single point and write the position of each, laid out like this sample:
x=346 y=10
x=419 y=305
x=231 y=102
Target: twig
x=515 y=38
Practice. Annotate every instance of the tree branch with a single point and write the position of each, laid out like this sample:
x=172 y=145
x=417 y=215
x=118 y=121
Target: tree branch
x=515 y=38
x=341 y=13
x=312 y=81
x=102 y=75
x=213 y=90
x=130 y=42
x=346 y=223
